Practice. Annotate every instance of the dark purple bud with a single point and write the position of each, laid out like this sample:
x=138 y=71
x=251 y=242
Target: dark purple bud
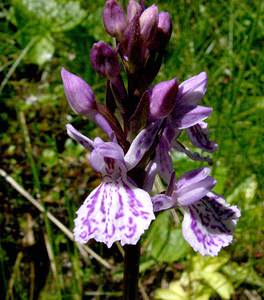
x=114 y=19
x=104 y=60
x=165 y=26
x=79 y=94
x=133 y=9
x=162 y=100
x=163 y=32
x=148 y=23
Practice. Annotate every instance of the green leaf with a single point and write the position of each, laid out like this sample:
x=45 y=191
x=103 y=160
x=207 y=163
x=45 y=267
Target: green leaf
x=42 y=51
x=220 y=174
x=243 y=274
x=208 y=264
x=174 y=292
x=50 y=15
x=165 y=242
x=202 y=293
x=245 y=191
x=219 y=283
x=145 y=265
x=49 y=157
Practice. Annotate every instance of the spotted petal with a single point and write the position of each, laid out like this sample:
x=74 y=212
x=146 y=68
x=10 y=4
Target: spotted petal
x=193 y=155
x=162 y=202
x=151 y=172
x=141 y=144
x=199 y=137
x=209 y=223
x=163 y=159
x=115 y=211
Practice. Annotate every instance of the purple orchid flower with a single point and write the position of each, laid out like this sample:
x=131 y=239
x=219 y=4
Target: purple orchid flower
x=185 y=114
x=189 y=115
x=208 y=221
x=117 y=210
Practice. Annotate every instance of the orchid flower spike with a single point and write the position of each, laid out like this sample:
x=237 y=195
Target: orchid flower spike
x=143 y=123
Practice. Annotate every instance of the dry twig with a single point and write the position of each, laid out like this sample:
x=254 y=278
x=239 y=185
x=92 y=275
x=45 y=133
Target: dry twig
x=53 y=219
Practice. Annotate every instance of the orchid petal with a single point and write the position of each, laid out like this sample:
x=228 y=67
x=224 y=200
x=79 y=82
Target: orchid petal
x=199 y=137
x=108 y=159
x=115 y=211
x=162 y=202
x=192 y=186
x=187 y=116
x=163 y=159
x=208 y=224
x=151 y=172
x=193 y=155
x=141 y=144
x=192 y=90
x=194 y=193
x=80 y=138
x=192 y=177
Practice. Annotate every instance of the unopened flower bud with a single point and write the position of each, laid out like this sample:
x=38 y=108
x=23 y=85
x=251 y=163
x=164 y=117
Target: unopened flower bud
x=104 y=60
x=165 y=25
x=163 y=98
x=114 y=19
x=79 y=94
x=148 y=23
x=163 y=32
x=133 y=8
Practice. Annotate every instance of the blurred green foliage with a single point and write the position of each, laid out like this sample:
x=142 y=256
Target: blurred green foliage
x=224 y=38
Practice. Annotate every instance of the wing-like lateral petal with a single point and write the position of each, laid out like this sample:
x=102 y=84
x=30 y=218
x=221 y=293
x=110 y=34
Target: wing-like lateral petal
x=151 y=172
x=192 y=186
x=209 y=223
x=115 y=211
x=163 y=159
x=193 y=155
x=80 y=138
x=199 y=137
x=187 y=116
x=193 y=177
x=162 y=201
x=192 y=90
x=141 y=144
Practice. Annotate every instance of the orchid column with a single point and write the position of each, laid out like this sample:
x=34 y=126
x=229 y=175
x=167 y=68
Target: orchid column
x=143 y=123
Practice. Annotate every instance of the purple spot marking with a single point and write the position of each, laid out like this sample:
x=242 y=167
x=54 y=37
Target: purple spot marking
x=138 y=153
x=120 y=212
x=83 y=235
x=132 y=230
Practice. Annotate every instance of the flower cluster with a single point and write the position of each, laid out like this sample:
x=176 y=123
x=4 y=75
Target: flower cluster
x=143 y=123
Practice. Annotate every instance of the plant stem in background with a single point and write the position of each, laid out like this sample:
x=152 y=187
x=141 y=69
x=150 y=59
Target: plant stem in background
x=131 y=271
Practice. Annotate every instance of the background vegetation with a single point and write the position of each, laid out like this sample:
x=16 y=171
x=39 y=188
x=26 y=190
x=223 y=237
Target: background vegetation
x=37 y=259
